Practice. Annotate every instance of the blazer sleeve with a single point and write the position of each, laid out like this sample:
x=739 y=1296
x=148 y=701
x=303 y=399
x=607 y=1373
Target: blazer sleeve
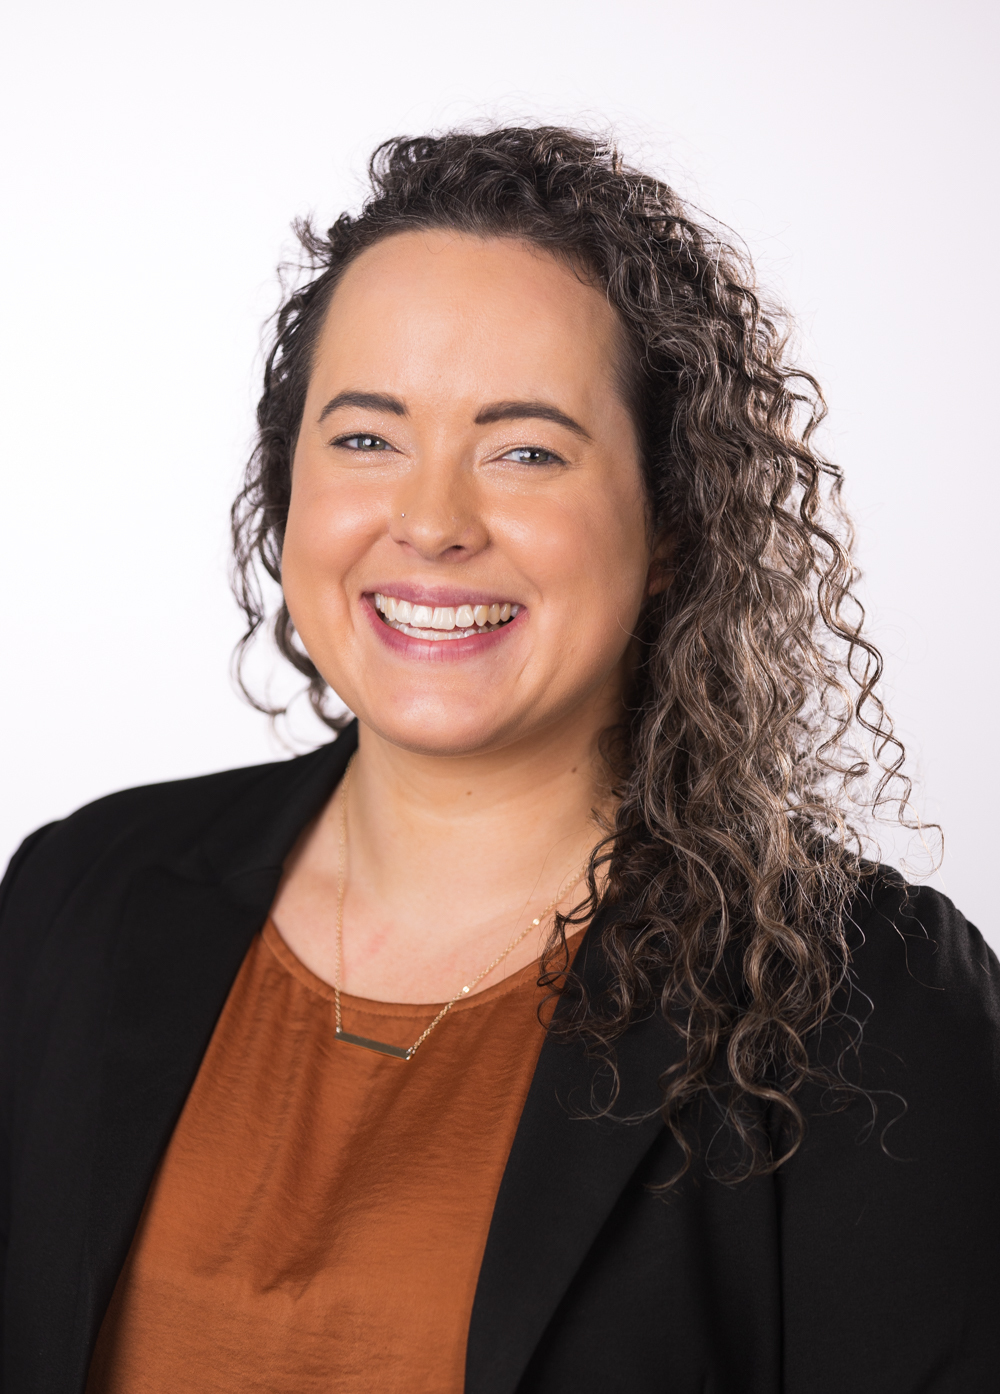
x=890 y=1213
x=12 y=952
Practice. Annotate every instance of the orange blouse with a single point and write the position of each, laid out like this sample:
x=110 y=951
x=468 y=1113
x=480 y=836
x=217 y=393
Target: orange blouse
x=318 y=1219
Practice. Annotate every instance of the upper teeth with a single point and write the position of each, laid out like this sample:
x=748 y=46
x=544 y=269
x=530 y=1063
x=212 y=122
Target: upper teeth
x=443 y=617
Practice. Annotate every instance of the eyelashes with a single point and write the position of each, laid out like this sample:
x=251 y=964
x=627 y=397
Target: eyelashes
x=367 y=443
x=533 y=455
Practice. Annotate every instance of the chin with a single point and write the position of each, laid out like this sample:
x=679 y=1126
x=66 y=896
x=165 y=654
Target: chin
x=441 y=730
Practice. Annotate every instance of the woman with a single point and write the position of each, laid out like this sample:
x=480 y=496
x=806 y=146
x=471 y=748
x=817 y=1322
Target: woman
x=547 y=1030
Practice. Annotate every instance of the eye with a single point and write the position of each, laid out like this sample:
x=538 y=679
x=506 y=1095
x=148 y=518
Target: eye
x=363 y=442
x=532 y=455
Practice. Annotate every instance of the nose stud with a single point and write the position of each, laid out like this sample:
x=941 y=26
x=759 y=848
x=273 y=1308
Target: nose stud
x=402 y=515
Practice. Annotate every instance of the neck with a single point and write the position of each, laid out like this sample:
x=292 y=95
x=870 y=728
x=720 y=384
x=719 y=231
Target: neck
x=448 y=859
x=473 y=838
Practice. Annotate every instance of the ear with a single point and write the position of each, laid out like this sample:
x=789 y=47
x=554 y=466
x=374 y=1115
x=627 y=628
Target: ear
x=660 y=575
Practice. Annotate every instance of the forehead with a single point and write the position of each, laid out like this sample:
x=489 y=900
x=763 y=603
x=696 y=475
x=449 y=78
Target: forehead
x=429 y=301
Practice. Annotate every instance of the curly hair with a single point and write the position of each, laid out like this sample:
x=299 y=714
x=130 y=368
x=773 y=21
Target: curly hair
x=738 y=764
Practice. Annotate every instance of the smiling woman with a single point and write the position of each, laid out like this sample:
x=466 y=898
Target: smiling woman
x=547 y=1030
x=431 y=468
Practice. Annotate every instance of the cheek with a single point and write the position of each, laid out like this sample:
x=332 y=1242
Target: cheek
x=596 y=561
x=327 y=531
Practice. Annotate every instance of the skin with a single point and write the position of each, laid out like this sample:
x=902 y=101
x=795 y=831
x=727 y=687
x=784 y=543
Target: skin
x=473 y=791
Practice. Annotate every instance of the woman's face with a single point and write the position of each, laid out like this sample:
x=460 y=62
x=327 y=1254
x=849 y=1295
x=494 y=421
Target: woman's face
x=466 y=456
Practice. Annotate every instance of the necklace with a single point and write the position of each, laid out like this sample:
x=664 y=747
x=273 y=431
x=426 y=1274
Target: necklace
x=408 y=1052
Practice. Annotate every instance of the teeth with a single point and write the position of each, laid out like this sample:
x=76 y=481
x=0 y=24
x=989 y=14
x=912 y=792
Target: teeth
x=443 y=618
x=443 y=621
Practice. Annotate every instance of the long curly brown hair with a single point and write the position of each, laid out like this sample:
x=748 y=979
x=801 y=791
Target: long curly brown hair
x=738 y=764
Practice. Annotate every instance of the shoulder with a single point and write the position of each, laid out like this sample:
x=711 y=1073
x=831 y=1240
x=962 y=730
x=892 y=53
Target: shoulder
x=917 y=1030
x=890 y=1212
x=920 y=971
x=70 y=886
x=168 y=814
x=176 y=823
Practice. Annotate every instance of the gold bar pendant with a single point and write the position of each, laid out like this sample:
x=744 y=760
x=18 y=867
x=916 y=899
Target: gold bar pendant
x=380 y=1047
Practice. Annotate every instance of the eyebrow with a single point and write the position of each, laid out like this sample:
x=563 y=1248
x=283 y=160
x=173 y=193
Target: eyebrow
x=497 y=411
x=526 y=411
x=364 y=401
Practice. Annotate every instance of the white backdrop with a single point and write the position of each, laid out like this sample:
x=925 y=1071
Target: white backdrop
x=154 y=156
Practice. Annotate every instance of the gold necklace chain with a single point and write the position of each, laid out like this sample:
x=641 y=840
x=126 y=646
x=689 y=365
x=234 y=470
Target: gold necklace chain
x=403 y=1052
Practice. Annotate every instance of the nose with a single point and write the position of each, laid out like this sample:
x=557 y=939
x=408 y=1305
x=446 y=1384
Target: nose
x=436 y=515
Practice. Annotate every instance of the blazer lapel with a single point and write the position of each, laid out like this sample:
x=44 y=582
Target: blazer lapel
x=185 y=932
x=564 y=1174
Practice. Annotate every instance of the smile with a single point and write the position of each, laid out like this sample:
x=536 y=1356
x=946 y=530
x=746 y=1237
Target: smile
x=443 y=621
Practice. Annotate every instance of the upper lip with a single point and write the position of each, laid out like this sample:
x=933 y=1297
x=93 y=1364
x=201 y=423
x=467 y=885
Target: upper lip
x=439 y=595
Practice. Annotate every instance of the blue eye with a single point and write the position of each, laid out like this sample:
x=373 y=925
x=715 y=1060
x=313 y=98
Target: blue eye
x=363 y=442
x=532 y=455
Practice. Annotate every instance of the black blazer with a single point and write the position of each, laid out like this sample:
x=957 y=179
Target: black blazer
x=857 y=1269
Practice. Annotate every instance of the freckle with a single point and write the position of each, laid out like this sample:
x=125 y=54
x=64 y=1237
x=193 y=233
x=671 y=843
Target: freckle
x=468 y=793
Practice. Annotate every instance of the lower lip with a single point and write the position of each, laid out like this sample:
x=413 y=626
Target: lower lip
x=438 y=650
